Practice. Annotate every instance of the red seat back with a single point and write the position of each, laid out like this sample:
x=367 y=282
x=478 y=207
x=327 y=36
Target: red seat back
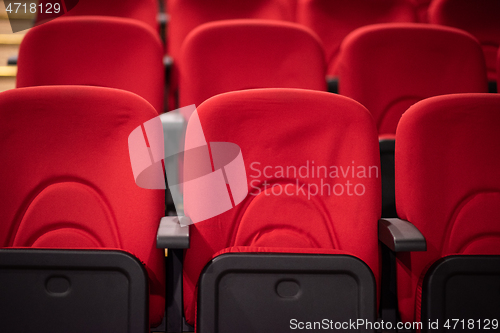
x=96 y=51
x=312 y=164
x=144 y=10
x=241 y=54
x=447 y=183
x=389 y=67
x=333 y=20
x=498 y=69
x=421 y=8
x=479 y=18
x=185 y=15
x=66 y=176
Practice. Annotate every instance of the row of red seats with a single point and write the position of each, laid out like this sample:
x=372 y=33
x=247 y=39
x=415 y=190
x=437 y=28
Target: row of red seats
x=332 y=21
x=292 y=59
x=385 y=67
x=117 y=79
x=145 y=11
x=282 y=253
x=415 y=62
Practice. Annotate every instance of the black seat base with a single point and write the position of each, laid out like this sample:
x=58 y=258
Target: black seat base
x=459 y=289
x=72 y=291
x=274 y=292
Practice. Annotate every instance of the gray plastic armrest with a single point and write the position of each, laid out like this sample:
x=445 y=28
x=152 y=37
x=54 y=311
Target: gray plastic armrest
x=174 y=128
x=173 y=121
x=171 y=234
x=400 y=235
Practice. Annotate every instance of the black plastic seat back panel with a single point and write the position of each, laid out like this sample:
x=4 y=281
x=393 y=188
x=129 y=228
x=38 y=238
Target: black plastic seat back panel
x=462 y=288
x=72 y=291
x=265 y=292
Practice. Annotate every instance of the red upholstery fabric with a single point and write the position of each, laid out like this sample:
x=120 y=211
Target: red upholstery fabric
x=286 y=129
x=498 y=69
x=447 y=183
x=97 y=51
x=66 y=176
x=333 y=20
x=185 y=15
x=421 y=8
x=479 y=17
x=254 y=249
x=388 y=67
x=144 y=10
x=232 y=55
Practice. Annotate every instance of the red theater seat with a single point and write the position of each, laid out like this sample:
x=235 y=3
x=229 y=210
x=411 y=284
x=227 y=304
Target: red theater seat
x=67 y=183
x=95 y=51
x=287 y=234
x=448 y=186
x=333 y=20
x=389 y=67
x=143 y=10
x=480 y=18
x=186 y=15
x=232 y=55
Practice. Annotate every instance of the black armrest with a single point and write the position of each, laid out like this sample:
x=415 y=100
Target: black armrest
x=173 y=232
x=170 y=86
x=387 y=145
x=12 y=60
x=168 y=63
x=492 y=87
x=400 y=235
x=332 y=84
x=162 y=19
